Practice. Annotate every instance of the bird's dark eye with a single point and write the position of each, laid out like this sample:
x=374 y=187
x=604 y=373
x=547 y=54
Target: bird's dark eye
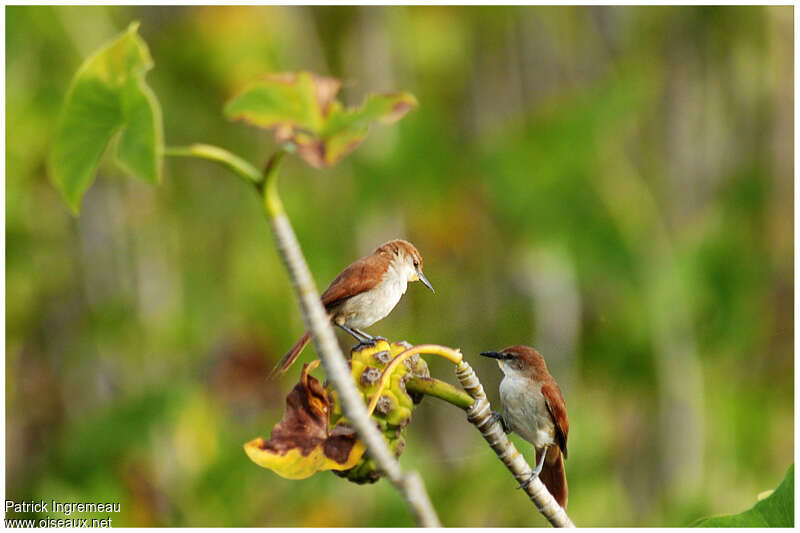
x=416 y=263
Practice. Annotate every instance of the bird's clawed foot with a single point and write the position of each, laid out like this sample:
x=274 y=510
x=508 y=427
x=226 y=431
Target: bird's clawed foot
x=366 y=343
x=524 y=484
x=370 y=342
x=497 y=417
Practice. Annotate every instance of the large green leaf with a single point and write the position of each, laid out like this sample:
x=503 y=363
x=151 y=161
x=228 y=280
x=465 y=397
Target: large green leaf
x=301 y=108
x=776 y=510
x=108 y=95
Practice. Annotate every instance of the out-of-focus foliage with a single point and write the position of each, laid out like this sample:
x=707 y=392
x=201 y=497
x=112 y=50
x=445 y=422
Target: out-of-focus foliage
x=108 y=95
x=302 y=109
x=610 y=185
x=776 y=510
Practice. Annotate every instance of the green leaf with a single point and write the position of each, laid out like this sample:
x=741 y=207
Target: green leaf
x=108 y=95
x=302 y=110
x=776 y=510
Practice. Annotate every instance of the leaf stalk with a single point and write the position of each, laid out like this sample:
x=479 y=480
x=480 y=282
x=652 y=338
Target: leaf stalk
x=440 y=389
x=218 y=155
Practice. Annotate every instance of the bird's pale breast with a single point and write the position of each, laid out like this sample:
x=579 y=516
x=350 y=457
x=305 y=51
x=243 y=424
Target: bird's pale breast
x=363 y=310
x=525 y=411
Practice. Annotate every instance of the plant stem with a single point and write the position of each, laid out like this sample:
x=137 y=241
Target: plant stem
x=317 y=322
x=232 y=162
x=480 y=415
x=269 y=187
x=440 y=389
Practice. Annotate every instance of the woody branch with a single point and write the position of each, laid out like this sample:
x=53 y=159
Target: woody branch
x=333 y=360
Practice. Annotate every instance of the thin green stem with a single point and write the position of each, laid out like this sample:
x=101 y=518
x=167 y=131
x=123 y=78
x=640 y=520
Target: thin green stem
x=272 y=201
x=218 y=155
x=440 y=389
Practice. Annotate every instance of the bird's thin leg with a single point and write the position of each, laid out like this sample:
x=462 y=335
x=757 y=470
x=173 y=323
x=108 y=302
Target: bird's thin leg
x=359 y=336
x=536 y=471
x=371 y=337
x=363 y=334
x=540 y=465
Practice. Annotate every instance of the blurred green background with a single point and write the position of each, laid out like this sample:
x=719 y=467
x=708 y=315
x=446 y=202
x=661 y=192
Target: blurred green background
x=611 y=185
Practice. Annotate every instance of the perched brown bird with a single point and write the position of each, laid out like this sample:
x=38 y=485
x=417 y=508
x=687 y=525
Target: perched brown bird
x=366 y=292
x=534 y=409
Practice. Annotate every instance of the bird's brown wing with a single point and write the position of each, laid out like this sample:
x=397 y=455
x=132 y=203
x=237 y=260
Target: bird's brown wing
x=555 y=404
x=360 y=276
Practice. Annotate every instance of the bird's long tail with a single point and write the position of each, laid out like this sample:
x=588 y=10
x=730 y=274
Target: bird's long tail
x=290 y=357
x=553 y=475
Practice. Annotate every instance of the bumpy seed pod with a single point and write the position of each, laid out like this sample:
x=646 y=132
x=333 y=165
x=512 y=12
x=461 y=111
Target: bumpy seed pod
x=366 y=471
x=393 y=408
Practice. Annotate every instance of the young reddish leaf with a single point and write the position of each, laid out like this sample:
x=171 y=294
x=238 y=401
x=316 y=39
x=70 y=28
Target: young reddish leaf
x=285 y=102
x=301 y=109
x=302 y=444
x=108 y=95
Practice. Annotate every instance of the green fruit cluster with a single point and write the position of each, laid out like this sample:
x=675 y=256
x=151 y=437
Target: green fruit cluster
x=393 y=410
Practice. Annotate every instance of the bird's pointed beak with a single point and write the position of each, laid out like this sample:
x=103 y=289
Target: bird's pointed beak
x=495 y=355
x=425 y=281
